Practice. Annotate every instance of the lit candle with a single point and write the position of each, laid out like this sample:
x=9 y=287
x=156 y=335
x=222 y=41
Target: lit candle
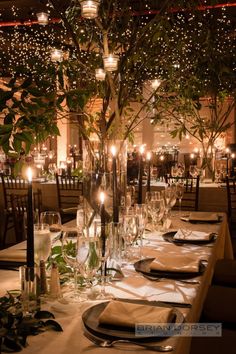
x=30 y=223
x=140 y=184
x=149 y=155
x=103 y=223
x=227 y=160
x=114 y=185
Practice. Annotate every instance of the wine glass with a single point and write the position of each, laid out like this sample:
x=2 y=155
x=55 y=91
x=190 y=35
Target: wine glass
x=80 y=219
x=75 y=253
x=141 y=215
x=103 y=239
x=157 y=211
x=181 y=169
x=130 y=233
x=179 y=194
x=42 y=242
x=174 y=170
x=193 y=170
x=53 y=219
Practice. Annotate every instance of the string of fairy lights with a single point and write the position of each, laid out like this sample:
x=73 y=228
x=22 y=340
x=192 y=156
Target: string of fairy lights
x=176 y=50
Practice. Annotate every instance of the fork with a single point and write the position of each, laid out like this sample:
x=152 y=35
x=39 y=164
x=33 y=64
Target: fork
x=105 y=343
x=184 y=281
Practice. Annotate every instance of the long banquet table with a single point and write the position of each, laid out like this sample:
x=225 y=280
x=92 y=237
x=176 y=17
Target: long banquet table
x=133 y=286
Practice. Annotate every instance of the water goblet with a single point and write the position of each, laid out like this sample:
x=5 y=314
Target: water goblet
x=42 y=243
x=53 y=219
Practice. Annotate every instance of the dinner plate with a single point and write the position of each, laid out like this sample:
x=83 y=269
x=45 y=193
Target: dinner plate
x=169 y=237
x=192 y=221
x=143 y=266
x=91 y=323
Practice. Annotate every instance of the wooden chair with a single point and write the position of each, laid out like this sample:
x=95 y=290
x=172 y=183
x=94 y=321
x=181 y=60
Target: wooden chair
x=10 y=185
x=69 y=193
x=191 y=191
x=19 y=205
x=231 y=199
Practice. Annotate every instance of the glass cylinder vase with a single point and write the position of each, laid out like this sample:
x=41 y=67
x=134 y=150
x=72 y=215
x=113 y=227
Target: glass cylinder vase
x=104 y=170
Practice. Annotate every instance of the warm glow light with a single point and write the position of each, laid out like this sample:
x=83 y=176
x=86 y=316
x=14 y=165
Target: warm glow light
x=102 y=197
x=89 y=8
x=192 y=156
x=232 y=156
x=227 y=150
x=149 y=155
x=110 y=62
x=56 y=55
x=100 y=74
x=141 y=149
x=42 y=18
x=29 y=174
x=162 y=157
x=113 y=150
x=196 y=150
x=155 y=83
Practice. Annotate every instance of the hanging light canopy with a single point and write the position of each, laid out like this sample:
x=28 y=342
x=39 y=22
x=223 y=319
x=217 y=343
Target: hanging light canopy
x=100 y=74
x=42 y=18
x=89 y=8
x=110 y=62
x=56 y=55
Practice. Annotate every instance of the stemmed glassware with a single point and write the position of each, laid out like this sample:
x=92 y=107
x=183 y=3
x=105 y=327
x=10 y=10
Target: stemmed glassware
x=131 y=232
x=181 y=169
x=174 y=171
x=157 y=209
x=193 y=170
x=179 y=194
x=141 y=216
x=42 y=242
x=75 y=252
x=53 y=219
x=104 y=251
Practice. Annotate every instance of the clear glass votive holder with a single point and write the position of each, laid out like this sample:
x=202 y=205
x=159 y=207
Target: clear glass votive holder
x=30 y=289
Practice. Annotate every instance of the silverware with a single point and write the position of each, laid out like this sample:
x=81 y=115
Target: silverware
x=185 y=281
x=158 y=302
x=106 y=343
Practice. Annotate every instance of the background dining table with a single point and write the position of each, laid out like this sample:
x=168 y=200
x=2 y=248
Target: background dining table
x=133 y=286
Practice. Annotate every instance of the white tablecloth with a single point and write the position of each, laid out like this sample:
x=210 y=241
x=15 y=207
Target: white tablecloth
x=134 y=285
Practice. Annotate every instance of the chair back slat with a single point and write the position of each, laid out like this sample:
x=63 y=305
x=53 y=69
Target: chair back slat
x=69 y=192
x=11 y=185
x=190 y=198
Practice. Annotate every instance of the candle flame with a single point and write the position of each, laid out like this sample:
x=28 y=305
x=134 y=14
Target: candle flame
x=29 y=174
x=141 y=149
x=102 y=197
x=233 y=156
x=149 y=155
x=113 y=150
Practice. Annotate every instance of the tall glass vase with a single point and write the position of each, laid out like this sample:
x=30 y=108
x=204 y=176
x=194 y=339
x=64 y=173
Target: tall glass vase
x=106 y=172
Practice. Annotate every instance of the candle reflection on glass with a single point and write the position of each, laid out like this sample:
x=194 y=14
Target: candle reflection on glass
x=30 y=223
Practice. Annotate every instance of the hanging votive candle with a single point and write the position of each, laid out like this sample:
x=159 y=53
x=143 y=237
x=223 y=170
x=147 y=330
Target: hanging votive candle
x=110 y=62
x=56 y=55
x=100 y=74
x=42 y=18
x=89 y=8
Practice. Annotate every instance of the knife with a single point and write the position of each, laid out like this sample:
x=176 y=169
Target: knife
x=157 y=302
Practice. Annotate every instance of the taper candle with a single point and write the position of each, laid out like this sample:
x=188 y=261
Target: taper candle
x=103 y=223
x=149 y=155
x=114 y=186
x=140 y=183
x=30 y=222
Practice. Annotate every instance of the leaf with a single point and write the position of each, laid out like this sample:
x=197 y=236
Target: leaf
x=43 y=314
x=51 y=324
x=27 y=83
x=12 y=344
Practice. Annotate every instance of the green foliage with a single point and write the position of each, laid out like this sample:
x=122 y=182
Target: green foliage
x=15 y=328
